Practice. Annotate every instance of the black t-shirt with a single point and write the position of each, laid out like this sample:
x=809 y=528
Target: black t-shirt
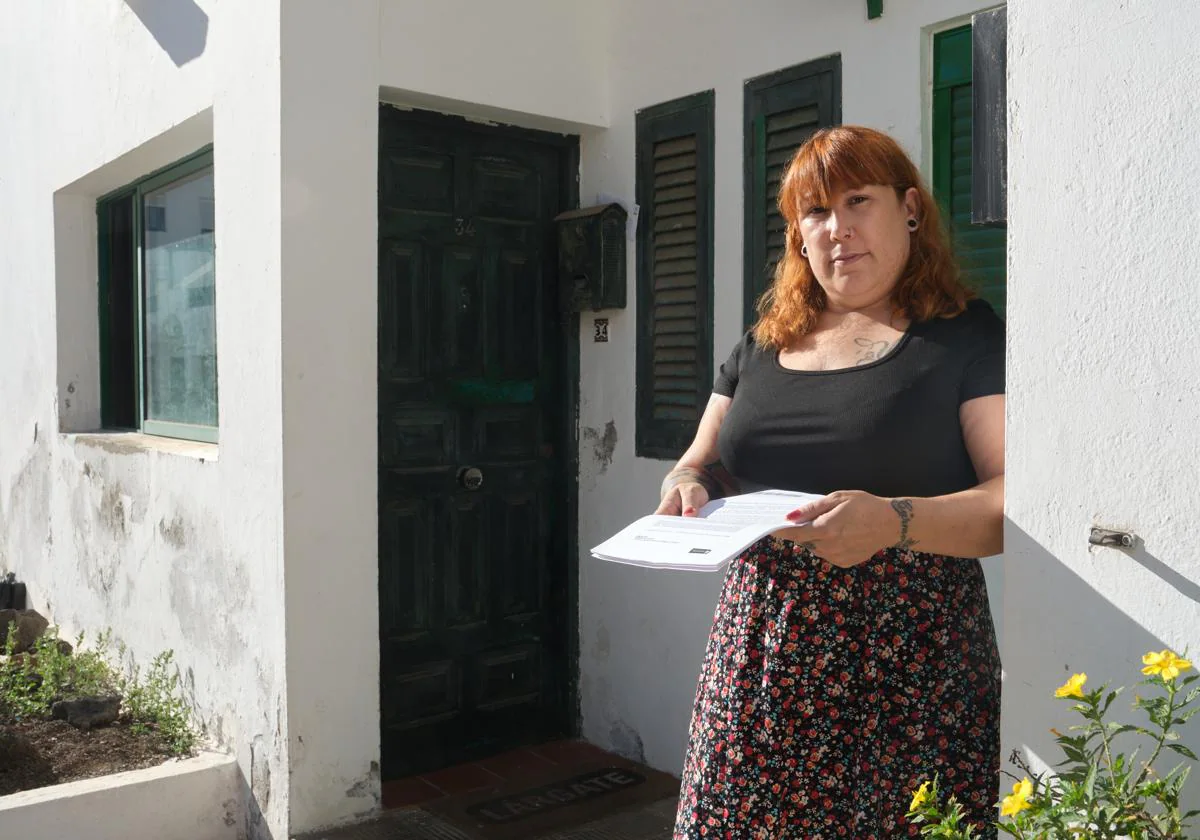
x=889 y=427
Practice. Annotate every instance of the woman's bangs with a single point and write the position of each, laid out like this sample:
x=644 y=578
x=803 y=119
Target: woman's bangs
x=825 y=167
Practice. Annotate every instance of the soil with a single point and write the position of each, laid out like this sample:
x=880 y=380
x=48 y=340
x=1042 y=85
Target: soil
x=36 y=753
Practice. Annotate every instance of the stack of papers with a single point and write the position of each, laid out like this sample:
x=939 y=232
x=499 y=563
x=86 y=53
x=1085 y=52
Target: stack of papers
x=723 y=529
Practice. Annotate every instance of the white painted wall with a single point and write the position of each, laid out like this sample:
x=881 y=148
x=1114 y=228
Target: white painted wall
x=195 y=799
x=1104 y=399
x=330 y=103
x=537 y=63
x=642 y=634
x=171 y=546
x=481 y=60
x=178 y=546
x=183 y=545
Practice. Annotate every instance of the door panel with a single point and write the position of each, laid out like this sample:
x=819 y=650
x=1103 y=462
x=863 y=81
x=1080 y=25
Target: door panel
x=472 y=613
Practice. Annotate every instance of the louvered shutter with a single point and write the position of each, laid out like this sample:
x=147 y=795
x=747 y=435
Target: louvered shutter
x=981 y=251
x=783 y=110
x=674 y=192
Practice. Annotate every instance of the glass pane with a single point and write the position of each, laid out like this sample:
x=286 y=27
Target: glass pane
x=180 y=302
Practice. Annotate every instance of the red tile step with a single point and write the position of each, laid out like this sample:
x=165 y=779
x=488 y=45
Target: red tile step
x=493 y=772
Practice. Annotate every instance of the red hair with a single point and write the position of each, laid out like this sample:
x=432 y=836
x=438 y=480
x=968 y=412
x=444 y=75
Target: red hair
x=836 y=159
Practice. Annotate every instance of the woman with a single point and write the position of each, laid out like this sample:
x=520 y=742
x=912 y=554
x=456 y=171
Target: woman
x=852 y=656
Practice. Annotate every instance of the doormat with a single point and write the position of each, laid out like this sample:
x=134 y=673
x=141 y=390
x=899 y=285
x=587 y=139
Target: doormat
x=574 y=796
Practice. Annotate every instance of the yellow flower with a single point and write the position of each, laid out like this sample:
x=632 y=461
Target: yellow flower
x=1018 y=800
x=1165 y=663
x=920 y=797
x=1072 y=687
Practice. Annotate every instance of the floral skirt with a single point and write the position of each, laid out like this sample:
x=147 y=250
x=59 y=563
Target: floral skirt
x=827 y=695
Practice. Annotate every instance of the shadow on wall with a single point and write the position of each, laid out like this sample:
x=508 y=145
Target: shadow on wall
x=179 y=26
x=1057 y=624
x=1187 y=588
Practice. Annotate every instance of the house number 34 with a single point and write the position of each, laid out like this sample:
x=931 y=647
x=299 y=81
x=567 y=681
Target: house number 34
x=464 y=227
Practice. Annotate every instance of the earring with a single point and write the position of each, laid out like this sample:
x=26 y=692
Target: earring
x=912 y=225
x=804 y=251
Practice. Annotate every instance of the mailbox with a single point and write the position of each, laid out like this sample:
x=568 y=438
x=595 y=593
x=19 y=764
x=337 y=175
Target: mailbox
x=592 y=257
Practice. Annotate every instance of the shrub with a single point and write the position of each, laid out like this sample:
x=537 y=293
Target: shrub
x=32 y=682
x=155 y=703
x=1098 y=792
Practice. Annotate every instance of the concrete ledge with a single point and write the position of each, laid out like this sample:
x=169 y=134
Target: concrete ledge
x=194 y=799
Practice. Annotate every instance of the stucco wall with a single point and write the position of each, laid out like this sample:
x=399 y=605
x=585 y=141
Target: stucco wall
x=179 y=545
x=171 y=546
x=329 y=132
x=537 y=63
x=1104 y=400
x=183 y=547
x=643 y=634
x=480 y=60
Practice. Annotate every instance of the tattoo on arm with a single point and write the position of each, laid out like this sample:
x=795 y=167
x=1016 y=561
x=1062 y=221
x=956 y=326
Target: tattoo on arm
x=727 y=484
x=870 y=350
x=713 y=478
x=904 y=509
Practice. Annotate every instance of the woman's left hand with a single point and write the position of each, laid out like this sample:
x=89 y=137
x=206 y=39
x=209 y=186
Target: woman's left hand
x=845 y=528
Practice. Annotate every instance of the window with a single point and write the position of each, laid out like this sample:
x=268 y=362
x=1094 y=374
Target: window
x=675 y=272
x=783 y=110
x=158 y=304
x=980 y=250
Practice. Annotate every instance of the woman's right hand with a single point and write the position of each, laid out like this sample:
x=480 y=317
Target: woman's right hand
x=684 y=499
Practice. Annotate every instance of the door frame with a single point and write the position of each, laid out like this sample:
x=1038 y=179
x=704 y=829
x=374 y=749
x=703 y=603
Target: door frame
x=568 y=343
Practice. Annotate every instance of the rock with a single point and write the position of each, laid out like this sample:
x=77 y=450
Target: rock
x=87 y=712
x=64 y=647
x=19 y=661
x=30 y=626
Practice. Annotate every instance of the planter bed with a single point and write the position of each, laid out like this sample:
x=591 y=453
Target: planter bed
x=190 y=799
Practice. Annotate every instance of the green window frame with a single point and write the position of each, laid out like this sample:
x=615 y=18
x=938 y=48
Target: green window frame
x=127 y=309
x=981 y=250
x=675 y=272
x=782 y=110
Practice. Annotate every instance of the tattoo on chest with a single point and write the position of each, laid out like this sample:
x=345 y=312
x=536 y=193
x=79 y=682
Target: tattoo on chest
x=904 y=509
x=869 y=350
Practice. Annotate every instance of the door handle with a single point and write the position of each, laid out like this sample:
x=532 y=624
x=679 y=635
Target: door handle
x=470 y=477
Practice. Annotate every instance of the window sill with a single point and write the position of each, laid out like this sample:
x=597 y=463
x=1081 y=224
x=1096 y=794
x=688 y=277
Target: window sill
x=130 y=443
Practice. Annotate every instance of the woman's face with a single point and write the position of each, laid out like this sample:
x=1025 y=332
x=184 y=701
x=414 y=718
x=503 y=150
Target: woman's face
x=858 y=245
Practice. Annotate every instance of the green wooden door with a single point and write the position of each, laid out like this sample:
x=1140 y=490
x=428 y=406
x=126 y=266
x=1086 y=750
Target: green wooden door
x=472 y=576
x=981 y=250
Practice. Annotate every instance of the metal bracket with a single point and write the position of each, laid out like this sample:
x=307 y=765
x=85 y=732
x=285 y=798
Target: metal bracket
x=1111 y=539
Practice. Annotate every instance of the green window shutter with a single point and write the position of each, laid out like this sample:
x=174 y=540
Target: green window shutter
x=981 y=250
x=675 y=272
x=783 y=110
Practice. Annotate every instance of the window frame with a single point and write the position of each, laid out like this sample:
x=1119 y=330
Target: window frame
x=694 y=114
x=136 y=191
x=814 y=72
x=944 y=54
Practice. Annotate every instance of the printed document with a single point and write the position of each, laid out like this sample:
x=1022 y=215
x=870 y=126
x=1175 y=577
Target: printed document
x=723 y=529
